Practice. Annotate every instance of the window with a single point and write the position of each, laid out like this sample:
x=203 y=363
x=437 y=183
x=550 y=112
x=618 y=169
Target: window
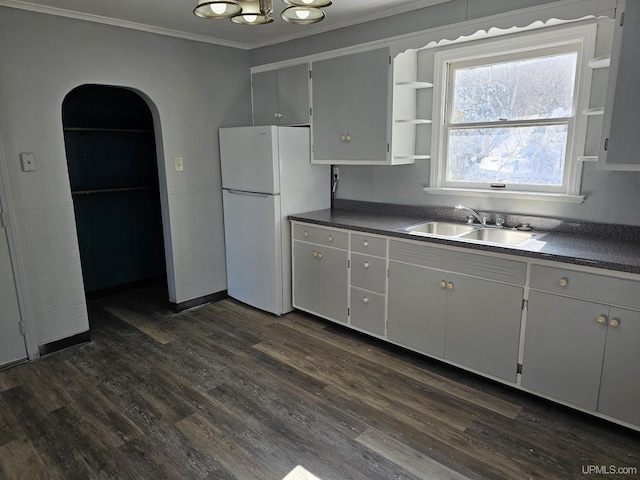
x=509 y=114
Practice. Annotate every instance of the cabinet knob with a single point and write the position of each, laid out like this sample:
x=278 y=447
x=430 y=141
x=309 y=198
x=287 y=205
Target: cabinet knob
x=365 y=264
x=601 y=319
x=278 y=115
x=319 y=255
x=614 y=322
x=315 y=254
x=330 y=238
x=564 y=281
x=365 y=244
x=305 y=234
x=443 y=284
x=348 y=138
x=450 y=286
x=343 y=138
x=365 y=300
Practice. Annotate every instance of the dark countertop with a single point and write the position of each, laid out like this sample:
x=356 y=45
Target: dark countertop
x=595 y=245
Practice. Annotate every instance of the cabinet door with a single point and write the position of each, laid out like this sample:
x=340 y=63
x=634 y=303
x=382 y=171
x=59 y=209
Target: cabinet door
x=293 y=95
x=619 y=150
x=264 y=86
x=483 y=325
x=367 y=97
x=329 y=109
x=619 y=387
x=367 y=310
x=563 y=348
x=416 y=308
x=320 y=280
x=350 y=113
x=281 y=97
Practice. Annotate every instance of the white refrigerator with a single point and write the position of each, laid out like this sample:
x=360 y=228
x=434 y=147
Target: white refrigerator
x=266 y=175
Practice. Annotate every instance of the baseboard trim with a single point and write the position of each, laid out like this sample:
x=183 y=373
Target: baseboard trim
x=214 y=297
x=72 y=341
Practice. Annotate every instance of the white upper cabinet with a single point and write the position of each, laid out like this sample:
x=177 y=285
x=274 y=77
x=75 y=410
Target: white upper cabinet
x=350 y=109
x=281 y=97
x=619 y=148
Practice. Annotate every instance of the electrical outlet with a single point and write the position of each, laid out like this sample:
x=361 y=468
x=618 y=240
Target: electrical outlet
x=179 y=164
x=28 y=162
x=335 y=172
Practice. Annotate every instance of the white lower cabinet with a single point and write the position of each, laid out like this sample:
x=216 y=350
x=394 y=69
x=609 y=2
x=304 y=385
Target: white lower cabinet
x=582 y=328
x=320 y=272
x=472 y=321
x=583 y=352
x=417 y=308
x=368 y=274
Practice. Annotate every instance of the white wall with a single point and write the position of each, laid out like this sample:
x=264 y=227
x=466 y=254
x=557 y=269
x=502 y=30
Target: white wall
x=192 y=88
x=610 y=196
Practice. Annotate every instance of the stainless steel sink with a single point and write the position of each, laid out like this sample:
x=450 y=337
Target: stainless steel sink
x=492 y=235
x=445 y=229
x=472 y=232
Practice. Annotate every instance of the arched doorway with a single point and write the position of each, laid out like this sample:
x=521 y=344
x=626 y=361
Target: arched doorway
x=113 y=171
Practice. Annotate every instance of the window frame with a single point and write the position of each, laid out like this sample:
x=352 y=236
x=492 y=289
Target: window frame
x=509 y=48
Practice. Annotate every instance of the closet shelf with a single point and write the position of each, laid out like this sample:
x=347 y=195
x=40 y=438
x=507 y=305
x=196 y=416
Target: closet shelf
x=111 y=190
x=109 y=130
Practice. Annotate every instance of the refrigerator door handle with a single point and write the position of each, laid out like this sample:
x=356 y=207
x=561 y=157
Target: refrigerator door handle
x=248 y=194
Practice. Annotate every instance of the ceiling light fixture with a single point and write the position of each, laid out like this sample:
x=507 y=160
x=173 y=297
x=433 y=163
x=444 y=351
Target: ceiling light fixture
x=258 y=12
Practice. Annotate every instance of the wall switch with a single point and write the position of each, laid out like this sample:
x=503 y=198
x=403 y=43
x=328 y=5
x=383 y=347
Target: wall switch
x=28 y=161
x=179 y=164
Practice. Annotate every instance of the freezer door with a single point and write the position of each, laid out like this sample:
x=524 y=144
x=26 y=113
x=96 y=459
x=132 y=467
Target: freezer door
x=249 y=159
x=253 y=249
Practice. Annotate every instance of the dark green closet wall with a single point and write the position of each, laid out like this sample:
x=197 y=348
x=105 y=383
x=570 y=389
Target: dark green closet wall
x=111 y=157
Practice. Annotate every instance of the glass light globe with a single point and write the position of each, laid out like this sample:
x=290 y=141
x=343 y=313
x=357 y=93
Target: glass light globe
x=250 y=18
x=218 y=8
x=302 y=14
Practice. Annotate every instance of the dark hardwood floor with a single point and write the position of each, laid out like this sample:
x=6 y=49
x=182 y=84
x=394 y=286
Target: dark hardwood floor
x=227 y=392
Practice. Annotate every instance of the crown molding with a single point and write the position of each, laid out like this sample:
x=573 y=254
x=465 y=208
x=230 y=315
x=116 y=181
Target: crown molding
x=60 y=12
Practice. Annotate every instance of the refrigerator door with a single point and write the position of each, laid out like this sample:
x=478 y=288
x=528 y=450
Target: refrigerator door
x=253 y=249
x=249 y=159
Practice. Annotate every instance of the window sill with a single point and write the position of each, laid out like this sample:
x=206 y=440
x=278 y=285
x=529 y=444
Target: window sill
x=507 y=194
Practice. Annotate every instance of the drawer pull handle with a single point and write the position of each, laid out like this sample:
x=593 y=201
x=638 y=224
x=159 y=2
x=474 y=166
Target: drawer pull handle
x=614 y=322
x=365 y=264
x=563 y=282
x=365 y=244
x=330 y=238
x=443 y=284
x=305 y=234
x=601 y=319
x=365 y=300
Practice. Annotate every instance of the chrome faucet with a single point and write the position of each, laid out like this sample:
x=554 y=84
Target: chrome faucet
x=481 y=220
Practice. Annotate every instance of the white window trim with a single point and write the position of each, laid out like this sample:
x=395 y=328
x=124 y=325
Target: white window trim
x=585 y=34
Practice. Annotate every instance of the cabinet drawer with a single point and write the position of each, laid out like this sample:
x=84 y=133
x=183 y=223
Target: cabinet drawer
x=461 y=261
x=368 y=272
x=321 y=236
x=366 y=244
x=367 y=310
x=591 y=286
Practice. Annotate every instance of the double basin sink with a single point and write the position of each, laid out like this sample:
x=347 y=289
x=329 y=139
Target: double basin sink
x=472 y=232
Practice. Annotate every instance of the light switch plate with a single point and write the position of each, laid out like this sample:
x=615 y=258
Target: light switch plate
x=28 y=161
x=179 y=164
